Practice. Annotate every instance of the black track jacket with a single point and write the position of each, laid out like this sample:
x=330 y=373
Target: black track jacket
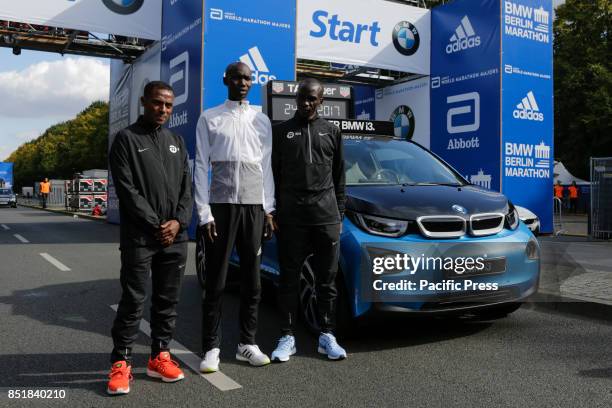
x=308 y=167
x=150 y=169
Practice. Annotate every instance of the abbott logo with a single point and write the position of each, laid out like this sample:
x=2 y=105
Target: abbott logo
x=123 y=6
x=254 y=60
x=464 y=37
x=180 y=76
x=216 y=14
x=528 y=109
x=474 y=99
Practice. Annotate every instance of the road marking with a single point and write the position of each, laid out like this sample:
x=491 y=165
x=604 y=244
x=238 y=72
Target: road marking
x=55 y=262
x=6 y=228
x=191 y=360
x=22 y=239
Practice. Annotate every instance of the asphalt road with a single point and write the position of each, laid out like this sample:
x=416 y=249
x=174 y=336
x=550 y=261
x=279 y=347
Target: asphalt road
x=56 y=324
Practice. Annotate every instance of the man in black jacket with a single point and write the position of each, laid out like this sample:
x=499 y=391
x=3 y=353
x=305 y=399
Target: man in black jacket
x=150 y=169
x=308 y=167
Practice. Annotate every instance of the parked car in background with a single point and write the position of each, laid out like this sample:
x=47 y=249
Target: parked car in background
x=7 y=198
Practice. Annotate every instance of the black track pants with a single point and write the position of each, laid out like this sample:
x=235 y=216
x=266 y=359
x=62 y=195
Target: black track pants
x=242 y=225
x=295 y=243
x=167 y=266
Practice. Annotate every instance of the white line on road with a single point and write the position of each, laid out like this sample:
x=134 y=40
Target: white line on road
x=218 y=379
x=55 y=262
x=6 y=227
x=22 y=239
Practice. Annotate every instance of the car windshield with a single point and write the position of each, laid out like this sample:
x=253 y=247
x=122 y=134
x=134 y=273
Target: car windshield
x=4 y=191
x=386 y=161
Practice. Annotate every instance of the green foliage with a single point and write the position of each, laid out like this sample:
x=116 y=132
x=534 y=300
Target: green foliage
x=63 y=149
x=583 y=83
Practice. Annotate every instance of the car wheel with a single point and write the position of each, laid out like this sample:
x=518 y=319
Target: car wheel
x=308 y=302
x=498 y=312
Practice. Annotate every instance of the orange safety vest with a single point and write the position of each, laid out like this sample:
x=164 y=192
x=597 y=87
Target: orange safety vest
x=44 y=187
x=559 y=191
x=573 y=191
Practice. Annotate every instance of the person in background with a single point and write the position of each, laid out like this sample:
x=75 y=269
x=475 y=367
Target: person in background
x=235 y=140
x=573 y=197
x=150 y=169
x=558 y=194
x=45 y=188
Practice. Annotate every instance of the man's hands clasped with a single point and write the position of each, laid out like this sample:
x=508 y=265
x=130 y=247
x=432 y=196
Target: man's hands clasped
x=167 y=232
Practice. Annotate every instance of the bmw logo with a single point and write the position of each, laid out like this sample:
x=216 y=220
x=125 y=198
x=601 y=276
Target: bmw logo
x=459 y=209
x=406 y=38
x=123 y=6
x=403 y=122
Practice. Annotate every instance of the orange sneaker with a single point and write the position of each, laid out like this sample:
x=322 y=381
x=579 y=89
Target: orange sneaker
x=119 y=378
x=165 y=368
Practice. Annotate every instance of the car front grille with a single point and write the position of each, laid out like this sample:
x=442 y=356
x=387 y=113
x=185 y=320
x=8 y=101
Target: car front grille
x=454 y=226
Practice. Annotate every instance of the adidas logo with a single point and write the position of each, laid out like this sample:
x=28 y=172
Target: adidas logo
x=254 y=60
x=464 y=37
x=528 y=109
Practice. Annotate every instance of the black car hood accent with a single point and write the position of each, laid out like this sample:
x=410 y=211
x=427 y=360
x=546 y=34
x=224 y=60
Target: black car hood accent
x=410 y=202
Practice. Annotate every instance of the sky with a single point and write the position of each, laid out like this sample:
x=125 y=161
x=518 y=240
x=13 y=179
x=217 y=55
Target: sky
x=38 y=90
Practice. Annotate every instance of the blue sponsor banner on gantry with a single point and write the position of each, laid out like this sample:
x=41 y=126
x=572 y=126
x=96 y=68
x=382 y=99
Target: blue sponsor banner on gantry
x=527 y=106
x=465 y=89
x=365 y=102
x=181 y=67
x=6 y=175
x=259 y=33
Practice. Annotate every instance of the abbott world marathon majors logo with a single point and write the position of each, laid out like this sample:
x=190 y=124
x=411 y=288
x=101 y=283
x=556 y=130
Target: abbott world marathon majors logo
x=255 y=61
x=403 y=122
x=528 y=109
x=464 y=38
x=123 y=6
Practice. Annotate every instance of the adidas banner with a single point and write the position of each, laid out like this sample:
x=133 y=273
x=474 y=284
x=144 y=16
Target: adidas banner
x=262 y=36
x=132 y=18
x=527 y=106
x=465 y=91
x=407 y=106
x=393 y=36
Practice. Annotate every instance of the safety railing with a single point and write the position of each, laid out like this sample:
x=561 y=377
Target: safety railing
x=558 y=216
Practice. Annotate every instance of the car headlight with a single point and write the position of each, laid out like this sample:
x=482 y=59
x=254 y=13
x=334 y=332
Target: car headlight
x=386 y=227
x=512 y=219
x=532 y=250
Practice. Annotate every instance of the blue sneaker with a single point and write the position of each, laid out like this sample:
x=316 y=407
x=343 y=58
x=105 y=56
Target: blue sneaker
x=285 y=349
x=329 y=346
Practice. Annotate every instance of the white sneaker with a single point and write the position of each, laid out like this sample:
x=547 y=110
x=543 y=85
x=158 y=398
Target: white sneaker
x=252 y=354
x=210 y=363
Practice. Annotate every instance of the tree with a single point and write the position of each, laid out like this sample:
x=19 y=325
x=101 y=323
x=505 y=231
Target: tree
x=583 y=83
x=64 y=148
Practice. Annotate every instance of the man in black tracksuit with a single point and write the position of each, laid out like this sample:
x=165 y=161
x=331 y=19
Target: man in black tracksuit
x=150 y=169
x=308 y=167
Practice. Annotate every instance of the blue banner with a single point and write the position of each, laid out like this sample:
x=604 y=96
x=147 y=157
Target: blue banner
x=181 y=67
x=365 y=102
x=527 y=106
x=259 y=33
x=465 y=89
x=6 y=175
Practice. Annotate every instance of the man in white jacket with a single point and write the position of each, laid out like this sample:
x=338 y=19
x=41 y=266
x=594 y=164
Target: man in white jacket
x=235 y=141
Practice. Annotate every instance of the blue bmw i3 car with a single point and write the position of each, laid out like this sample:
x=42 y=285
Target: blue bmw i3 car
x=411 y=227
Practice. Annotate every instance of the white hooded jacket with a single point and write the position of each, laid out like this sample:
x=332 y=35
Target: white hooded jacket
x=235 y=141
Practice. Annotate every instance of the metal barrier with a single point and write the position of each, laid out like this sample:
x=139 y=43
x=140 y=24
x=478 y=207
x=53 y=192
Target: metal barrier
x=601 y=197
x=558 y=216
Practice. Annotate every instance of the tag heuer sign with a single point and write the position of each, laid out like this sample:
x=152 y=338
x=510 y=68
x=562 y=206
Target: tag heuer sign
x=345 y=91
x=278 y=87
